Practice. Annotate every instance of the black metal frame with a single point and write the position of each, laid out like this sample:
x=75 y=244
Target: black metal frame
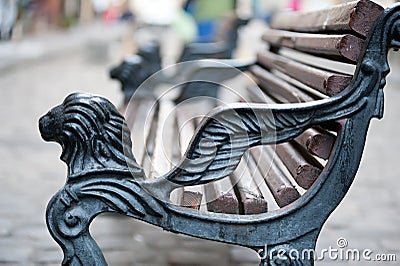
x=135 y=69
x=104 y=177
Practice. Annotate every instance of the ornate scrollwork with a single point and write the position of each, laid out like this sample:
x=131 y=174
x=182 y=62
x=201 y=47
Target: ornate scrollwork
x=395 y=33
x=72 y=209
x=68 y=221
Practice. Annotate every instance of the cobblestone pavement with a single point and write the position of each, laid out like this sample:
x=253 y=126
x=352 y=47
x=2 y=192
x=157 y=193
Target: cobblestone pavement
x=30 y=172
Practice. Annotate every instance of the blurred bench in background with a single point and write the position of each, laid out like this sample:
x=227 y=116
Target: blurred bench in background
x=134 y=70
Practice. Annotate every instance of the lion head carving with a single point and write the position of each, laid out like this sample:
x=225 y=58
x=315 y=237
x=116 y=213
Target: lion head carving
x=92 y=134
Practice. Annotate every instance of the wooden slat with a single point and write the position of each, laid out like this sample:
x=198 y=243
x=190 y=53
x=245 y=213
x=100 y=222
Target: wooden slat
x=344 y=47
x=186 y=126
x=198 y=108
x=130 y=112
x=281 y=188
x=317 y=142
x=164 y=139
x=278 y=87
x=327 y=82
x=148 y=153
x=176 y=196
x=260 y=181
x=314 y=94
x=251 y=200
x=141 y=127
x=256 y=95
x=303 y=167
x=221 y=197
x=191 y=197
x=319 y=62
x=131 y=116
x=358 y=17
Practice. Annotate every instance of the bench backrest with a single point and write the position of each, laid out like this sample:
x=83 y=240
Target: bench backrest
x=337 y=34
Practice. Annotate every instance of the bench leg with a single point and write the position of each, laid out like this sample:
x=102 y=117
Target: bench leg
x=298 y=252
x=68 y=219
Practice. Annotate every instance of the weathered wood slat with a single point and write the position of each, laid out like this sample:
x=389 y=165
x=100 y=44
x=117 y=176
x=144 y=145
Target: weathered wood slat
x=327 y=82
x=191 y=197
x=130 y=112
x=261 y=184
x=221 y=197
x=304 y=168
x=176 y=196
x=164 y=139
x=319 y=143
x=278 y=87
x=144 y=133
x=251 y=200
x=283 y=191
x=314 y=94
x=344 y=47
x=186 y=126
x=147 y=163
x=256 y=95
x=318 y=62
x=358 y=17
x=141 y=126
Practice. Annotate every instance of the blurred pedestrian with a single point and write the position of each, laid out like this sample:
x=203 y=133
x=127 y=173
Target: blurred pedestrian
x=8 y=15
x=207 y=14
x=164 y=22
x=295 y=5
x=100 y=6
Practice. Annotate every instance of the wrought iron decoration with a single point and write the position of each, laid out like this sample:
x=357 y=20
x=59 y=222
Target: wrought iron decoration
x=103 y=175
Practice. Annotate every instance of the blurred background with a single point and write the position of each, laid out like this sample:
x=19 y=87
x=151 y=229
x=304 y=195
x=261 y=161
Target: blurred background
x=50 y=48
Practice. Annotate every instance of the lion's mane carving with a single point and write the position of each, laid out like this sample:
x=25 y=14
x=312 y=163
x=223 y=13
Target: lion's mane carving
x=92 y=133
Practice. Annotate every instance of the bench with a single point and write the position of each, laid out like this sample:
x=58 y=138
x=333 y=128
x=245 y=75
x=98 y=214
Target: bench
x=135 y=69
x=288 y=149
x=223 y=45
